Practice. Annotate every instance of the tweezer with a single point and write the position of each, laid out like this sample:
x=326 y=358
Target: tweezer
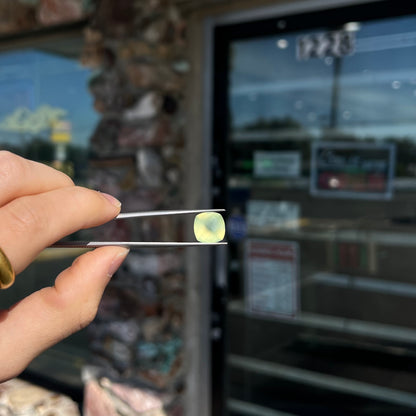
x=142 y=244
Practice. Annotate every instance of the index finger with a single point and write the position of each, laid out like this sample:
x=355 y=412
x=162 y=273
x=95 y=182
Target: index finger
x=21 y=177
x=31 y=223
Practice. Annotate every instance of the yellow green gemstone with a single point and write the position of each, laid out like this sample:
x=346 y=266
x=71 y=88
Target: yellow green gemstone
x=209 y=227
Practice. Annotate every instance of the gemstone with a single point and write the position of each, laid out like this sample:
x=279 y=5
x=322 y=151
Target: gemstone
x=209 y=227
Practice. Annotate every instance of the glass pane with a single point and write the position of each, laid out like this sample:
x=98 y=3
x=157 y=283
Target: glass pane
x=46 y=110
x=281 y=93
x=321 y=195
x=47 y=114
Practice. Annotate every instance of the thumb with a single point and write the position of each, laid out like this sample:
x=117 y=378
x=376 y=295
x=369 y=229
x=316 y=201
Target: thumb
x=51 y=314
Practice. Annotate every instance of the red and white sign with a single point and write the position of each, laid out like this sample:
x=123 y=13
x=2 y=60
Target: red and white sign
x=271 y=275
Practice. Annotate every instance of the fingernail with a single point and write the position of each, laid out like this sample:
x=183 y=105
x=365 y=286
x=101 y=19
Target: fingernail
x=117 y=260
x=111 y=199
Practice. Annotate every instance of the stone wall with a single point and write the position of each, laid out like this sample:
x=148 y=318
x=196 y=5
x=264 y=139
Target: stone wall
x=136 y=49
x=17 y=16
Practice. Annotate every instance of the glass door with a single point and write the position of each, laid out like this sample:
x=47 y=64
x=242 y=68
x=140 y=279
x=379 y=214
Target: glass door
x=315 y=146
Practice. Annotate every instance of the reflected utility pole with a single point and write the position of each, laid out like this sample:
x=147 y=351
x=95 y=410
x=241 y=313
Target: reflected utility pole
x=333 y=115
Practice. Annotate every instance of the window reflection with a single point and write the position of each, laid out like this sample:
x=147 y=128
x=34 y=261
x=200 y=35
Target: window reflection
x=376 y=84
x=46 y=112
x=320 y=184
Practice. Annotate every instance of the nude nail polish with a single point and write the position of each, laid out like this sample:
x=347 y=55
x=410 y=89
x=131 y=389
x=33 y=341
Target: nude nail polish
x=117 y=261
x=111 y=199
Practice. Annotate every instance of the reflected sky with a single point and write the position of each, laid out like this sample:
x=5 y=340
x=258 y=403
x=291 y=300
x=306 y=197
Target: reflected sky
x=376 y=85
x=31 y=79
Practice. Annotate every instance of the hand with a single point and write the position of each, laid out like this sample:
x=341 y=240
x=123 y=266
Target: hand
x=38 y=206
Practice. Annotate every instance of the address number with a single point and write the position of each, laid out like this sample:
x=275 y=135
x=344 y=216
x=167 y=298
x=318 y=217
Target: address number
x=321 y=45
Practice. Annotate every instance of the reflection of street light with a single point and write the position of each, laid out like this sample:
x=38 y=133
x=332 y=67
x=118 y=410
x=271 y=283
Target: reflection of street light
x=282 y=43
x=352 y=26
x=396 y=85
x=334 y=183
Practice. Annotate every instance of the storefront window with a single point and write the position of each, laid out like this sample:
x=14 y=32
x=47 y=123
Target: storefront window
x=319 y=161
x=46 y=111
x=47 y=114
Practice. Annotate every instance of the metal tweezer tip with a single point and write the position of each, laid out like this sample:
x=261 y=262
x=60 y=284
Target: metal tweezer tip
x=169 y=212
x=131 y=244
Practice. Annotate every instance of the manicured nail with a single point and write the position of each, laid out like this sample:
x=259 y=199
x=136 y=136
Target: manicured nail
x=111 y=199
x=117 y=261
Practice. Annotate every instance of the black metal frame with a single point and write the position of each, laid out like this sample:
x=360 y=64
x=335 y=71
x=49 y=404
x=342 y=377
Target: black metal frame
x=223 y=36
